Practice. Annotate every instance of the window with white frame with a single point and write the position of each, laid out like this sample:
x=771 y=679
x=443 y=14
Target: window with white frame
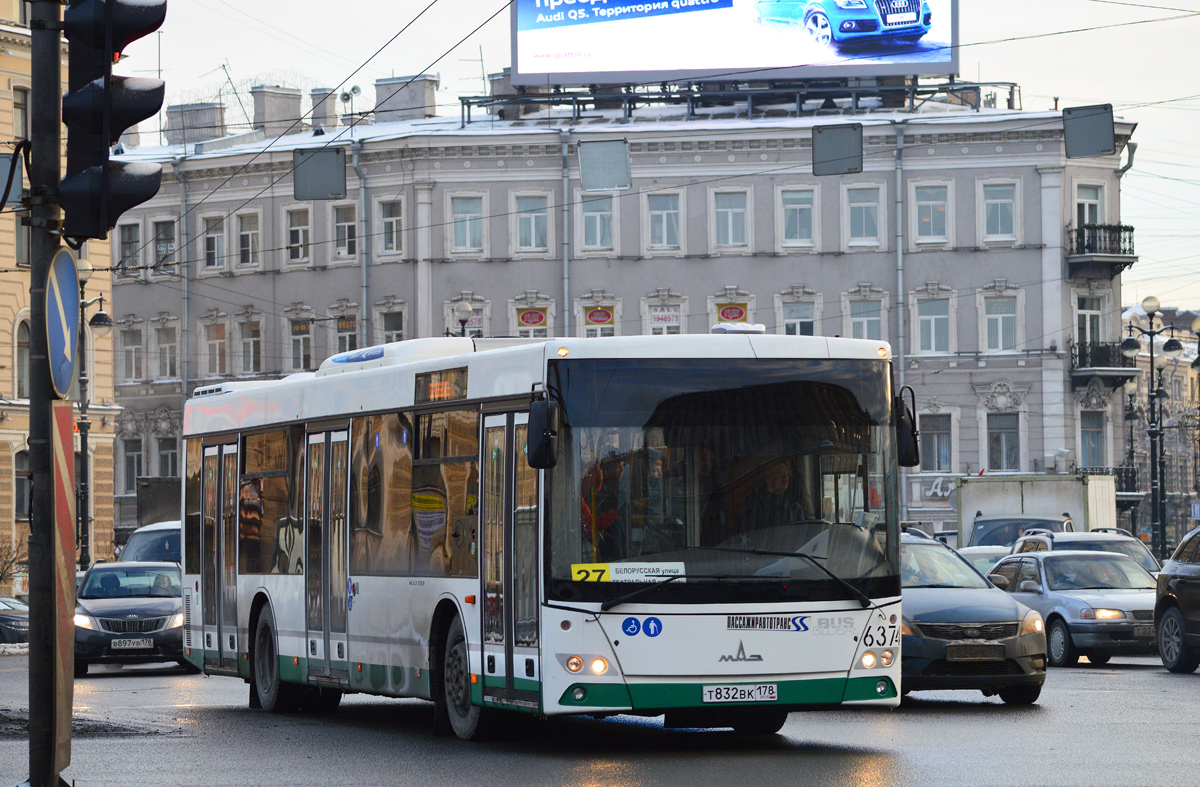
x=1091 y=438
x=250 y=336
x=129 y=250
x=597 y=319
x=393 y=326
x=866 y=319
x=345 y=231
x=131 y=354
x=1087 y=204
x=799 y=318
x=999 y=212
x=862 y=205
x=23 y=359
x=20 y=107
x=935 y=442
x=475 y=323
x=1003 y=441
x=132 y=452
x=22 y=484
x=164 y=247
x=168 y=352
x=301 y=333
x=214 y=339
x=298 y=235
x=531 y=223
x=797 y=207
x=391 y=221
x=665 y=319
x=466 y=215
x=21 y=249
x=663 y=220
x=933 y=319
x=168 y=456
x=931 y=205
x=1000 y=314
x=214 y=243
x=729 y=218
x=248 y=239
x=347 y=333
x=597 y=223
x=1088 y=312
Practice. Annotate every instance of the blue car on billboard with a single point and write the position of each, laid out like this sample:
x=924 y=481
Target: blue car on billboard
x=846 y=21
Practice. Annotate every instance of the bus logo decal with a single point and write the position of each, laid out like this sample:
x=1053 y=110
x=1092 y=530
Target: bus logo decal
x=741 y=655
x=766 y=622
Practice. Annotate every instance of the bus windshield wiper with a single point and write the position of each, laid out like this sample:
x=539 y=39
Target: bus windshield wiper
x=609 y=603
x=858 y=594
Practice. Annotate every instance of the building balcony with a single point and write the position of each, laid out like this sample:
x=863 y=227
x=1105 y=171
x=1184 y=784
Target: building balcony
x=1099 y=251
x=1128 y=494
x=1103 y=360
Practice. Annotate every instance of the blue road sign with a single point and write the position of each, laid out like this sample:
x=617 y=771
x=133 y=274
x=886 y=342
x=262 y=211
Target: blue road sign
x=62 y=321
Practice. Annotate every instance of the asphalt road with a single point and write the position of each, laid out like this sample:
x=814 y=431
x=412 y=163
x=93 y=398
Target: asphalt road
x=1127 y=723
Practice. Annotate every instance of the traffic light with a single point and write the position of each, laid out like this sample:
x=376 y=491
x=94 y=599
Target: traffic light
x=99 y=107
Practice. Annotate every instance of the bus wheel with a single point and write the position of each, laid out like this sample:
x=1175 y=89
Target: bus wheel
x=767 y=722
x=468 y=721
x=274 y=695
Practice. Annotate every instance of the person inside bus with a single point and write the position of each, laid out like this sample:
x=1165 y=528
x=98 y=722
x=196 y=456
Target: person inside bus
x=603 y=506
x=772 y=505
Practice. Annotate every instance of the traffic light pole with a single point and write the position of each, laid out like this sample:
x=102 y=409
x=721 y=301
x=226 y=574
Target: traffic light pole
x=46 y=136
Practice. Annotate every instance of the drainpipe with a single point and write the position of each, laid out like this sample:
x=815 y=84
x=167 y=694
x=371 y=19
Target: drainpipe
x=364 y=248
x=565 y=136
x=901 y=299
x=185 y=267
x=1132 y=146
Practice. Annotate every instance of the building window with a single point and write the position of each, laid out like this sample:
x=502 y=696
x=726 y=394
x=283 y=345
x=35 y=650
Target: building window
x=797 y=209
x=531 y=224
x=23 y=359
x=1088 y=319
x=297 y=235
x=22 y=483
x=863 y=207
x=393 y=326
x=130 y=251
x=931 y=205
x=531 y=322
x=729 y=215
x=214 y=243
x=131 y=355
x=248 y=239
x=597 y=223
x=664 y=221
x=935 y=443
x=215 y=339
x=22 y=241
x=933 y=317
x=164 y=246
x=168 y=456
x=132 y=450
x=1087 y=205
x=392 y=227
x=21 y=106
x=999 y=212
x=597 y=319
x=1091 y=438
x=666 y=320
x=1001 y=315
x=251 y=338
x=1003 y=441
x=347 y=333
x=866 y=319
x=301 y=344
x=344 y=231
x=467 y=218
x=798 y=319
x=168 y=352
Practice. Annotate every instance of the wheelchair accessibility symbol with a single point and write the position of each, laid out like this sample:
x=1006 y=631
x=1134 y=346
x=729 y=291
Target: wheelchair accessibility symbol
x=631 y=627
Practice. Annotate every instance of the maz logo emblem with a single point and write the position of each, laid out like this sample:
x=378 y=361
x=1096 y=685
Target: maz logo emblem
x=741 y=655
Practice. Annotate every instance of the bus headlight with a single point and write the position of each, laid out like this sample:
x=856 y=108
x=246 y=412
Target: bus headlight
x=869 y=660
x=574 y=664
x=599 y=666
x=887 y=657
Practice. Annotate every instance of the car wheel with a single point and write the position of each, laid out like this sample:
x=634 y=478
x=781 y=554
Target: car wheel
x=761 y=723
x=81 y=668
x=468 y=721
x=1099 y=659
x=1020 y=695
x=818 y=28
x=274 y=696
x=1173 y=647
x=1061 y=650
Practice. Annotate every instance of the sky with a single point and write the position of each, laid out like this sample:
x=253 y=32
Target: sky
x=1137 y=55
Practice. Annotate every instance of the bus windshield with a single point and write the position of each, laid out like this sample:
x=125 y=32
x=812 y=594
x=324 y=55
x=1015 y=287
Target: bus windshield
x=752 y=480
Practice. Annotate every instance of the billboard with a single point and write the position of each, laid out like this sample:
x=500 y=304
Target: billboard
x=585 y=42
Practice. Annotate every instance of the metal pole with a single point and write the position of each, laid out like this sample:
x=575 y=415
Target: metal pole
x=1155 y=449
x=1161 y=529
x=85 y=492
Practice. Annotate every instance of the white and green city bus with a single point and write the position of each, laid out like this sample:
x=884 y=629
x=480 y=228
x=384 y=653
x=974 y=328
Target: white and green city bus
x=701 y=526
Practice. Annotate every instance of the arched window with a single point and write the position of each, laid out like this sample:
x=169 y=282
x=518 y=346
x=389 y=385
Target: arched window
x=21 y=485
x=23 y=359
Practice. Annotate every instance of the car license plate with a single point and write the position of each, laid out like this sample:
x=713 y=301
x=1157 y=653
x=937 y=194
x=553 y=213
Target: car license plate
x=897 y=19
x=974 y=653
x=125 y=644
x=1145 y=631
x=757 y=692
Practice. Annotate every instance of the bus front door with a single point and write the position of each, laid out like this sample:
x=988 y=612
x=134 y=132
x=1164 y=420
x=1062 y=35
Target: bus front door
x=219 y=546
x=511 y=663
x=325 y=567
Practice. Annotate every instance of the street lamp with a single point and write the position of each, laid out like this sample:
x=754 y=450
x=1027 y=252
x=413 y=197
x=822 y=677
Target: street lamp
x=101 y=324
x=463 y=313
x=1171 y=348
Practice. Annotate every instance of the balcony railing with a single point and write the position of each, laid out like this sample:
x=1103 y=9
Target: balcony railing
x=1100 y=355
x=1126 y=477
x=1111 y=239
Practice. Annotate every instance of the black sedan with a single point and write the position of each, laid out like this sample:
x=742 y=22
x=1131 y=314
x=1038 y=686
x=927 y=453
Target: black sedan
x=14 y=620
x=1177 y=607
x=129 y=613
x=960 y=632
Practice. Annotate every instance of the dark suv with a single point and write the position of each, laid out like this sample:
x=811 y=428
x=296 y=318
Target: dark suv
x=1177 y=607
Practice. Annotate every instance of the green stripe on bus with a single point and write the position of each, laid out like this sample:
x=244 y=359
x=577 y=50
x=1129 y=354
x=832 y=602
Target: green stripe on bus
x=868 y=689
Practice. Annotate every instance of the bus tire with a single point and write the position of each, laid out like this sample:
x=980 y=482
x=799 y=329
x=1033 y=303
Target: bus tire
x=274 y=695
x=468 y=721
x=767 y=722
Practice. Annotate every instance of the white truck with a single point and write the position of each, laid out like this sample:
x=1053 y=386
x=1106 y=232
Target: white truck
x=996 y=510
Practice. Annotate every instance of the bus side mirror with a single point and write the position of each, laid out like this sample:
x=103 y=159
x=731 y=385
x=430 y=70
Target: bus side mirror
x=908 y=450
x=543 y=434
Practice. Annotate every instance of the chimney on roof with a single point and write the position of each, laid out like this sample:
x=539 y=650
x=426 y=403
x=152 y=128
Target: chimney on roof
x=190 y=123
x=405 y=98
x=324 y=102
x=276 y=109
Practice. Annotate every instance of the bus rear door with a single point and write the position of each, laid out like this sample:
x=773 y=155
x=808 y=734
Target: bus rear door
x=219 y=547
x=325 y=568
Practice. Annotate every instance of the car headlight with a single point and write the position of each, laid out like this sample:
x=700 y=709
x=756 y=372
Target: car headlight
x=1032 y=624
x=175 y=621
x=844 y=4
x=1102 y=614
x=86 y=622
x=908 y=629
